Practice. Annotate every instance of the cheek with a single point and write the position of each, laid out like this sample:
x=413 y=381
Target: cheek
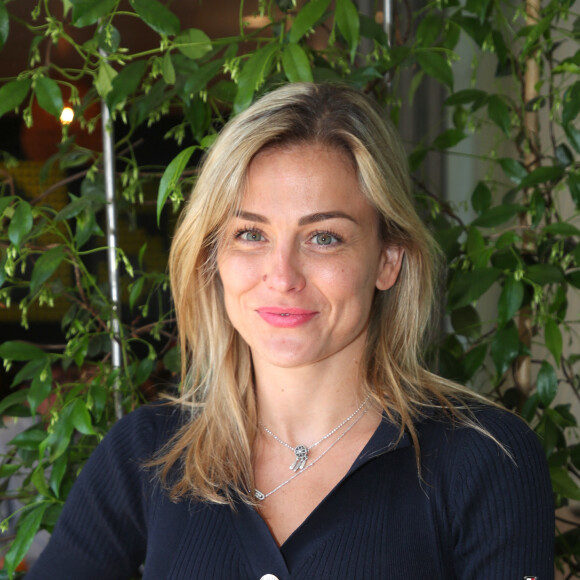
x=237 y=274
x=347 y=282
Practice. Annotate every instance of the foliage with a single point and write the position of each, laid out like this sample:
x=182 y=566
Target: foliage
x=519 y=241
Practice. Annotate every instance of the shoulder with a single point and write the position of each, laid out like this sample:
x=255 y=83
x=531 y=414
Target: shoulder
x=493 y=445
x=143 y=431
x=480 y=426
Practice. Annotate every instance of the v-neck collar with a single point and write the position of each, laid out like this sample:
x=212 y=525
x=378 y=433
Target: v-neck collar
x=257 y=540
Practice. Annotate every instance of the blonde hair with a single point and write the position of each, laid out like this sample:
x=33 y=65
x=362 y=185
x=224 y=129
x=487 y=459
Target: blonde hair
x=210 y=457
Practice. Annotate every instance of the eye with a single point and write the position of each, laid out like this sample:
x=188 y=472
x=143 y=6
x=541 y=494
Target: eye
x=250 y=235
x=325 y=239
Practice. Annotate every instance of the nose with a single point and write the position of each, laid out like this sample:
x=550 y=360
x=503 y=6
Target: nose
x=283 y=270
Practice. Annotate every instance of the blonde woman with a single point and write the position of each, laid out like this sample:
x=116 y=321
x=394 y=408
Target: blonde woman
x=309 y=441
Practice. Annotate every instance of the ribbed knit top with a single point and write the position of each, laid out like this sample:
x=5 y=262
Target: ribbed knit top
x=475 y=513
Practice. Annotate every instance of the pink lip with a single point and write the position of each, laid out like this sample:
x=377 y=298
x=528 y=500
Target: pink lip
x=285 y=317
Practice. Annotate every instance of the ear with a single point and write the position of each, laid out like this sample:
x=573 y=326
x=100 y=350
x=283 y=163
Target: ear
x=389 y=266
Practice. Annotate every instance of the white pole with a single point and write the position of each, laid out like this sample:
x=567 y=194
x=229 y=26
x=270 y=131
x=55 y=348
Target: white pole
x=112 y=243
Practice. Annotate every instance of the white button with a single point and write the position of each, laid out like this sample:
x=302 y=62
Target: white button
x=269 y=577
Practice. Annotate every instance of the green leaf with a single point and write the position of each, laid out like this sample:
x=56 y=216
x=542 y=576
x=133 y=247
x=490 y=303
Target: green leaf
x=253 y=75
x=505 y=347
x=28 y=525
x=542 y=175
x=467 y=287
x=20 y=351
x=81 y=418
x=562 y=229
x=477 y=250
x=473 y=360
x=172 y=360
x=12 y=400
x=29 y=370
x=4 y=24
x=157 y=16
x=305 y=20
x=481 y=198
x=144 y=370
x=466 y=322
x=513 y=169
x=547 y=384
x=449 y=138
x=563 y=484
x=167 y=69
x=5 y=202
x=29 y=439
x=199 y=79
x=477 y=7
x=529 y=409
x=40 y=387
x=39 y=481
x=135 y=292
x=533 y=32
x=436 y=66
x=553 y=338
x=571 y=104
x=21 y=223
x=87 y=12
x=171 y=177
x=510 y=300
x=7 y=470
x=12 y=94
x=347 y=20
x=57 y=472
x=479 y=31
x=193 y=43
x=573 y=136
x=428 y=30
x=465 y=97
x=564 y=156
x=543 y=274
x=45 y=267
x=104 y=80
x=497 y=215
x=500 y=47
x=125 y=83
x=49 y=96
x=499 y=113
x=109 y=39
x=296 y=64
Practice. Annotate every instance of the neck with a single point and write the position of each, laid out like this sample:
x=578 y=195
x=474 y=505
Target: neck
x=303 y=404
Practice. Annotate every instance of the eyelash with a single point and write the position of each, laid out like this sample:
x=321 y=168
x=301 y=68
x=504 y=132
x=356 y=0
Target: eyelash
x=246 y=230
x=252 y=229
x=339 y=239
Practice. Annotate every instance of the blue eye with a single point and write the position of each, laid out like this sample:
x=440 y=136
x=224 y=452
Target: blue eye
x=325 y=239
x=251 y=236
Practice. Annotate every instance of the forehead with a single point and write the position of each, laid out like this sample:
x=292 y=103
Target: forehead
x=302 y=177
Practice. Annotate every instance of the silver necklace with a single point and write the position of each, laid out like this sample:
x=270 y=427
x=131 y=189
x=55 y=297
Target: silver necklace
x=262 y=496
x=301 y=451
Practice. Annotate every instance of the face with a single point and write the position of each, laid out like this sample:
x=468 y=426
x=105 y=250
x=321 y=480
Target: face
x=301 y=262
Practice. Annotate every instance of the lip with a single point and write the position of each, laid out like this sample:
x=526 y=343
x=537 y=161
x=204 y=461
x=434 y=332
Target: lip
x=285 y=317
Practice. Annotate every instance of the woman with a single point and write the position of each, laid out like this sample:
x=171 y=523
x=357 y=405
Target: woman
x=309 y=442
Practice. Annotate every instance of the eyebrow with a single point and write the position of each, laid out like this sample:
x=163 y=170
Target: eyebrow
x=303 y=221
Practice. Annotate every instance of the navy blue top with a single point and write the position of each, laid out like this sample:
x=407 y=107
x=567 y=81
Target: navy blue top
x=476 y=513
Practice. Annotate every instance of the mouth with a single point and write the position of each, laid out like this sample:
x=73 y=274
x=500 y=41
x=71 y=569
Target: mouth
x=285 y=317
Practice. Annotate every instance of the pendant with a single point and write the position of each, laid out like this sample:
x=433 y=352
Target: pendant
x=301 y=453
x=259 y=495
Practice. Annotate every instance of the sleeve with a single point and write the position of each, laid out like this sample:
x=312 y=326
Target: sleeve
x=102 y=530
x=503 y=508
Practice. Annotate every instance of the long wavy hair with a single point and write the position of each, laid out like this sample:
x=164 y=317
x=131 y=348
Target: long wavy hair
x=210 y=458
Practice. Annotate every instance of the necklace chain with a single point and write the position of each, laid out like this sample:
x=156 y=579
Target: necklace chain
x=262 y=496
x=301 y=451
